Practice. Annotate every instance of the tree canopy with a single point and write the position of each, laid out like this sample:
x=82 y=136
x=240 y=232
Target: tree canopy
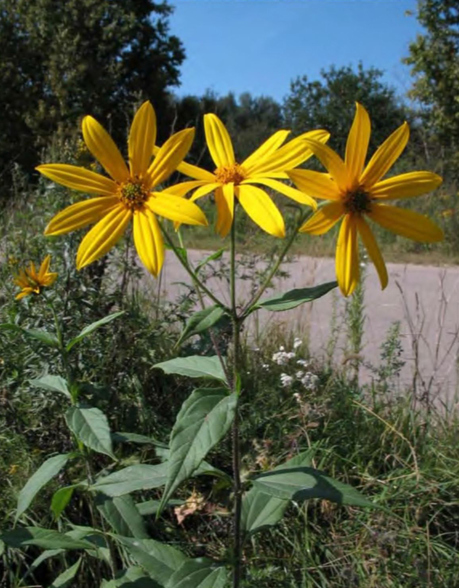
x=60 y=60
x=329 y=103
x=434 y=60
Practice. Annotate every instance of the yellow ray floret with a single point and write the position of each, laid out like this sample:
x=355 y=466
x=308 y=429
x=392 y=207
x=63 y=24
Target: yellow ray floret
x=130 y=192
x=232 y=180
x=32 y=281
x=356 y=191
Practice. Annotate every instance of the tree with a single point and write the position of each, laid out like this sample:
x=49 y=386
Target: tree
x=434 y=60
x=330 y=104
x=61 y=60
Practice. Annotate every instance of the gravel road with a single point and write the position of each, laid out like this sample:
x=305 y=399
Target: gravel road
x=424 y=299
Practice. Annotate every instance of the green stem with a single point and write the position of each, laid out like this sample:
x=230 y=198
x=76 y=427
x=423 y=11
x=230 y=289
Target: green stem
x=269 y=277
x=188 y=269
x=62 y=349
x=237 y=487
x=202 y=304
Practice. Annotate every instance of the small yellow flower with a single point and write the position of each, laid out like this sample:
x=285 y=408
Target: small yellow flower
x=356 y=191
x=13 y=469
x=231 y=179
x=32 y=281
x=130 y=194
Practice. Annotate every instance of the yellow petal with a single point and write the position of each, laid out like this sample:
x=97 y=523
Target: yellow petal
x=406 y=223
x=373 y=250
x=406 y=185
x=357 y=144
x=287 y=157
x=347 y=256
x=176 y=209
x=323 y=219
x=285 y=190
x=169 y=156
x=142 y=139
x=44 y=268
x=193 y=171
x=104 y=149
x=25 y=292
x=385 y=156
x=78 y=178
x=265 y=149
x=332 y=162
x=315 y=184
x=81 y=214
x=148 y=240
x=183 y=188
x=103 y=236
x=49 y=279
x=204 y=190
x=224 y=200
x=261 y=209
x=218 y=141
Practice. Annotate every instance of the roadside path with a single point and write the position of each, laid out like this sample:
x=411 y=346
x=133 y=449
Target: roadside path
x=424 y=299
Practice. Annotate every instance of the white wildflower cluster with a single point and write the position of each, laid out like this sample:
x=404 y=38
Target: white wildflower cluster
x=303 y=376
x=282 y=357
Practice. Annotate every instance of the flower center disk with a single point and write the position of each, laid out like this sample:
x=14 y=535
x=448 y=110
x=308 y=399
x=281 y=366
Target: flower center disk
x=357 y=202
x=133 y=195
x=230 y=173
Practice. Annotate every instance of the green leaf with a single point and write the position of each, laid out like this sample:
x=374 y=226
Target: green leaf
x=294 y=298
x=200 y=321
x=151 y=507
x=122 y=437
x=92 y=327
x=60 y=500
x=203 y=420
x=46 y=472
x=303 y=483
x=90 y=426
x=132 y=478
x=64 y=579
x=260 y=510
x=199 y=573
x=133 y=577
x=38 y=334
x=194 y=366
x=158 y=559
x=44 y=538
x=52 y=383
x=2 y=548
x=122 y=515
x=212 y=257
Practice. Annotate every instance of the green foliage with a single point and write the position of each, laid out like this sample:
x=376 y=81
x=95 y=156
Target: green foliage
x=194 y=367
x=62 y=61
x=434 y=61
x=330 y=104
x=203 y=420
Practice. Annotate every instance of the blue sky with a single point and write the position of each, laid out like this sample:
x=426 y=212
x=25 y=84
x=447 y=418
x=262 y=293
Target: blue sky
x=259 y=46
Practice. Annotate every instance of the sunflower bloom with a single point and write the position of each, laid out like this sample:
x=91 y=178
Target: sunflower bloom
x=265 y=167
x=128 y=194
x=32 y=282
x=356 y=192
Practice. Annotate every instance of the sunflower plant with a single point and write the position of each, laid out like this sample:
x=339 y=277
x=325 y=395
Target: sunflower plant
x=134 y=193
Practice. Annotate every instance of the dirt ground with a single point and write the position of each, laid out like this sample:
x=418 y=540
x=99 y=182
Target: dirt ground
x=424 y=299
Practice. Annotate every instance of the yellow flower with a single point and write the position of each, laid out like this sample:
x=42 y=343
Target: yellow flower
x=129 y=194
x=32 y=281
x=265 y=166
x=356 y=191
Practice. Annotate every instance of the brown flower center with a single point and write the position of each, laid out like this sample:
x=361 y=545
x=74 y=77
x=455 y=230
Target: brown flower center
x=133 y=195
x=357 y=201
x=230 y=173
